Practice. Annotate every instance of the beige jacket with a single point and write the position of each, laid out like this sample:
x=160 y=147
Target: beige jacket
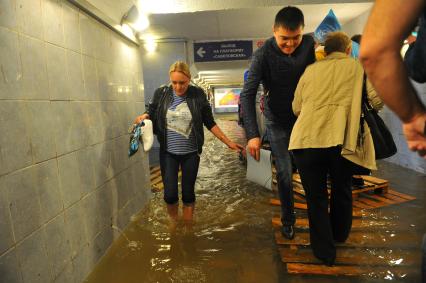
x=328 y=103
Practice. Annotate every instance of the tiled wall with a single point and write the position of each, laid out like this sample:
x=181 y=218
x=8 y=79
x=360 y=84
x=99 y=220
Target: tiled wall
x=69 y=89
x=156 y=64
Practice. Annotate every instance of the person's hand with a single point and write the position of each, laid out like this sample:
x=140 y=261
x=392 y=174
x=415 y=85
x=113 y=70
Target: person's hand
x=140 y=118
x=236 y=147
x=253 y=147
x=415 y=133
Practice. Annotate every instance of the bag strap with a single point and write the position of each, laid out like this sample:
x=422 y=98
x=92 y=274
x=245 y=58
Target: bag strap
x=364 y=100
x=364 y=87
x=364 y=94
x=365 y=104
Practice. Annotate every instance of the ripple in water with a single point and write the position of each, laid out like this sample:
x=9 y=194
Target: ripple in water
x=187 y=274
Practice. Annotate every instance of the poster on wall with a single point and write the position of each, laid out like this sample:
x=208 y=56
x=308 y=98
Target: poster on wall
x=226 y=99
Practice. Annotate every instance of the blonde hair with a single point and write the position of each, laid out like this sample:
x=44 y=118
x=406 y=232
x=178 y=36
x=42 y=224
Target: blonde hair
x=337 y=41
x=180 y=67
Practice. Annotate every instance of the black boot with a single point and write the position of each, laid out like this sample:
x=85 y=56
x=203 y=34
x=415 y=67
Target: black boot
x=287 y=231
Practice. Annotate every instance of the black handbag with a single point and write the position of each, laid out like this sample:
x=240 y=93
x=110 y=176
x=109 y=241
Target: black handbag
x=384 y=145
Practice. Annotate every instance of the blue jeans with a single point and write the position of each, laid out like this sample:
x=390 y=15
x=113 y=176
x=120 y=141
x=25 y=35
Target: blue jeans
x=279 y=138
x=169 y=165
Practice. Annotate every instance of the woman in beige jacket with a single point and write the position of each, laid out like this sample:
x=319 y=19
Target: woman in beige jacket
x=325 y=140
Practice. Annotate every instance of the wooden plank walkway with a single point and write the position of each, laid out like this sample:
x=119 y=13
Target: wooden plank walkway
x=360 y=239
x=346 y=270
x=370 y=184
x=363 y=201
x=369 y=237
x=351 y=257
x=366 y=251
x=356 y=212
x=358 y=224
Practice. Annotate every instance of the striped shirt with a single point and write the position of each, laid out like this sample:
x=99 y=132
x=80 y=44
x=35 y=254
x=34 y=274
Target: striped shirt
x=180 y=137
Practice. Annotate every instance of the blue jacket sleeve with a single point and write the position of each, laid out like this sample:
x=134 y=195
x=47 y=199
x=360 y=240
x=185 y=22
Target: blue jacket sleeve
x=415 y=57
x=248 y=95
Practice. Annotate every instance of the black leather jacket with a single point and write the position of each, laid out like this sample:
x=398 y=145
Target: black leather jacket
x=198 y=106
x=415 y=57
x=279 y=74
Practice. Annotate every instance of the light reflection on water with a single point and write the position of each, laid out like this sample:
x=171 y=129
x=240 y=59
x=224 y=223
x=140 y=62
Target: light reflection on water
x=231 y=237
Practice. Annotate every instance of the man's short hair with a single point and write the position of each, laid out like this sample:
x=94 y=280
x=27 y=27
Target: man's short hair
x=290 y=18
x=337 y=41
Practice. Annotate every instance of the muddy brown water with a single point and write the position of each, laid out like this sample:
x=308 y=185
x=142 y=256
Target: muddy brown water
x=231 y=238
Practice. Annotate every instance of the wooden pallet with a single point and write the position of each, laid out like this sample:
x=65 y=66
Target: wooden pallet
x=360 y=239
x=366 y=251
x=364 y=200
x=358 y=224
x=297 y=205
x=347 y=270
x=374 y=193
x=370 y=248
x=356 y=212
x=370 y=184
x=155 y=172
x=370 y=200
x=354 y=257
x=156 y=179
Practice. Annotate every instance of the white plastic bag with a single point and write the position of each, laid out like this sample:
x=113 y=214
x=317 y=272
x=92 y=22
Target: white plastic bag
x=147 y=135
x=260 y=172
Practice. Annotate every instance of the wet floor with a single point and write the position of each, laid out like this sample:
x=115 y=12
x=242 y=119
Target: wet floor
x=232 y=239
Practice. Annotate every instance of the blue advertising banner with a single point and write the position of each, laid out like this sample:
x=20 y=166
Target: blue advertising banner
x=223 y=50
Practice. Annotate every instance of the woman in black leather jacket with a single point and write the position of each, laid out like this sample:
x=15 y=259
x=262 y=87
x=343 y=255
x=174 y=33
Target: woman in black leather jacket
x=178 y=113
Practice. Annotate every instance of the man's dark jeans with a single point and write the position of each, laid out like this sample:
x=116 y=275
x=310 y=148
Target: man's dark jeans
x=279 y=138
x=169 y=164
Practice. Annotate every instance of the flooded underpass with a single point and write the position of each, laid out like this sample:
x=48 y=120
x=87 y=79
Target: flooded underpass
x=231 y=238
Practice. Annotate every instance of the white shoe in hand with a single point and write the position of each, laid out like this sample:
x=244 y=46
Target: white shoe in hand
x=147 y=135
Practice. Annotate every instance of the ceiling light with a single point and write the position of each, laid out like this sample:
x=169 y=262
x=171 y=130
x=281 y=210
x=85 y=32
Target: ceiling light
x=136 y=20
x=127 y=30
x=141 y=24
x=209 y=72
x=150 y=45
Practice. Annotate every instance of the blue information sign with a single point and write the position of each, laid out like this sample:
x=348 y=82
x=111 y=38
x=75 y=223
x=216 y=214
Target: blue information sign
x=223 y=50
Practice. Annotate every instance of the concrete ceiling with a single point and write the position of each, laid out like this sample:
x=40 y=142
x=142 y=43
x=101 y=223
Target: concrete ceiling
x=242 y=23
x=204 y=20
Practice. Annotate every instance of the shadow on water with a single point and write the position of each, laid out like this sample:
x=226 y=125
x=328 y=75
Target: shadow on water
x=230 y=239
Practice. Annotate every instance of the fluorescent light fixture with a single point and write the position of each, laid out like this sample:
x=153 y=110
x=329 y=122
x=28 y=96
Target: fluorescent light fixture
x=209 y=72
x=127 y=30
x=150 y=44
x=141 y=24
x=136 y=20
